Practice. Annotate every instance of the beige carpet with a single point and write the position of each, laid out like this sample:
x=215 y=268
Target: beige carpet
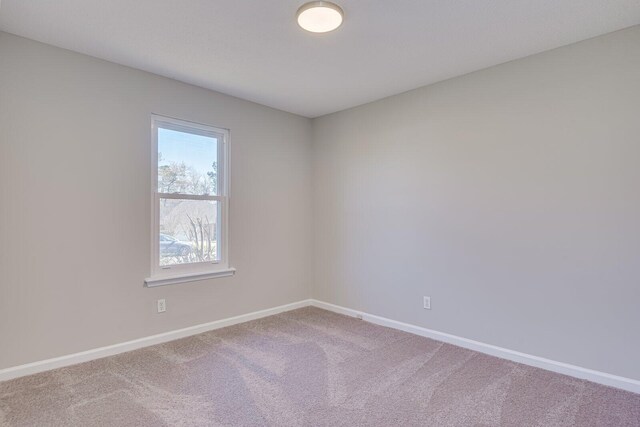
x=309 y=367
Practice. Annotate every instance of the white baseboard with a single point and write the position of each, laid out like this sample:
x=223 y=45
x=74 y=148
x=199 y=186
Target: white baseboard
x=503 y=353
x=98 y=353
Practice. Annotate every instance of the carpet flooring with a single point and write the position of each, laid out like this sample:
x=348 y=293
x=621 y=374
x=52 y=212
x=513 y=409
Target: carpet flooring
x=309 y=367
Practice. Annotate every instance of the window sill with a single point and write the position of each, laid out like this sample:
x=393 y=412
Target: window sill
x=151 y=282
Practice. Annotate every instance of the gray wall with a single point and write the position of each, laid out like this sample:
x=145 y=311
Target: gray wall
x=75 y=204
x=511 y=196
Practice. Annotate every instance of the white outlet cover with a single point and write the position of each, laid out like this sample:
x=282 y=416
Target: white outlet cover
x=162 y=306
x=427 y=303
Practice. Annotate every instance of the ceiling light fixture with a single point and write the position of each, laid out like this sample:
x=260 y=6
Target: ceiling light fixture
x=319 y=16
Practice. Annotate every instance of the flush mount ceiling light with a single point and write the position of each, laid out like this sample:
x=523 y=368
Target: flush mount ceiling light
x=319 y=16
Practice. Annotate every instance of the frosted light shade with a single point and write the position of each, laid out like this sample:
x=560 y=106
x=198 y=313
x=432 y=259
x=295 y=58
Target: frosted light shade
x=320 y=16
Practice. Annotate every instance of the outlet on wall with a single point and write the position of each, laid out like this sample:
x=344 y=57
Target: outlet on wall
x=427 y=303
x=162 y=306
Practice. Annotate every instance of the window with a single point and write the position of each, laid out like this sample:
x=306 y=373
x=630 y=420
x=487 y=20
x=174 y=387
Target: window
x=190 y=202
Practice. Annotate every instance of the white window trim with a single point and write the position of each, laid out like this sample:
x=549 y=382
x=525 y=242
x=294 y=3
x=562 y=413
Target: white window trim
x=152 y=282
x=182 y=273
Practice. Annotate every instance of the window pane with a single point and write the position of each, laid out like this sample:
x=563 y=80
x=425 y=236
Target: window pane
x=187 y=162
x=188 y=231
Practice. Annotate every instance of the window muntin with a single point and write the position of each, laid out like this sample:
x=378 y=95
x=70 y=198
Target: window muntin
x=190 y=197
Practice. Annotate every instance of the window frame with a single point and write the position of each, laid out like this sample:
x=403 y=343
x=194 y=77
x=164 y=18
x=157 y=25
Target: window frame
x=178 y=273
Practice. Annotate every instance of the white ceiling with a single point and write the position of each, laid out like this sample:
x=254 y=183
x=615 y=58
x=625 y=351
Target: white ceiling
x=254 y=50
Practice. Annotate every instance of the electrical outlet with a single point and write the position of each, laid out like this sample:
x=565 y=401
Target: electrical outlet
x=162 y=306
x=427 y=303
